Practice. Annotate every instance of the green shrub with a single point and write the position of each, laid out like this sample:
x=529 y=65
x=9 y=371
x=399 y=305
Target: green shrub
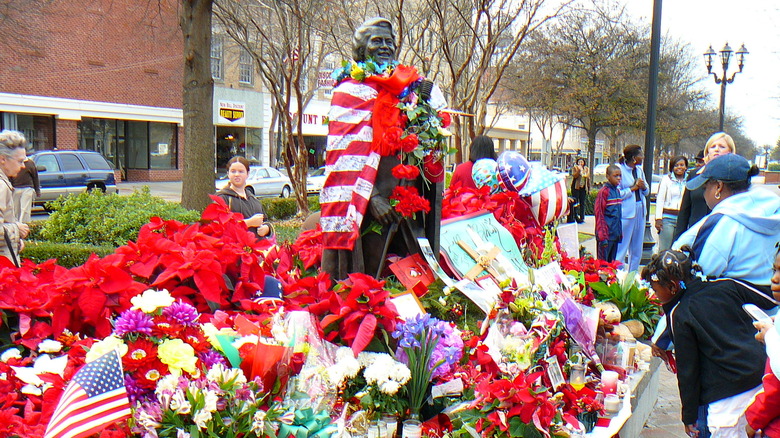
x=774 y=167
x=95 y=218
x=67 y=254
x=284 y=208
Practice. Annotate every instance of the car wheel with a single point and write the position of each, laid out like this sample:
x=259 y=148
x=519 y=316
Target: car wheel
x=286 y=192
x=93 y=186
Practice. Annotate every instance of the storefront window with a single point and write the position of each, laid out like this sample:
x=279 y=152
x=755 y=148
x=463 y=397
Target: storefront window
x=137 y=141
x=162 y=145
x=254 y=142
x=38 y=130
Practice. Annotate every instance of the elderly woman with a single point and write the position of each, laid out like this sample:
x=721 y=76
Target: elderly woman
x=692 y=206
x=737 y=239
x=12 y=156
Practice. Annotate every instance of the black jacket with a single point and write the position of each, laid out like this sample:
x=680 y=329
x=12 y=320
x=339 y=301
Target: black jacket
x=717 y=354
x=248 y=206
x=693 y=207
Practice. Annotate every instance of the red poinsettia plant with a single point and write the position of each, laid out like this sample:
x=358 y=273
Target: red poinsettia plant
x=351 y=313
x=510 y=407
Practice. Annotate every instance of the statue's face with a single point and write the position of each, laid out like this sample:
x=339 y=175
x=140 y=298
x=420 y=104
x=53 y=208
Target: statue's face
x=380 y=45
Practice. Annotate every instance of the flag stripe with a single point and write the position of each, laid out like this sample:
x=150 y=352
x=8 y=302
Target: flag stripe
x=84 y=408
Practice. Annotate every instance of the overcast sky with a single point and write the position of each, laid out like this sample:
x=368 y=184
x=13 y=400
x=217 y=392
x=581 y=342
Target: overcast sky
x=755 y=93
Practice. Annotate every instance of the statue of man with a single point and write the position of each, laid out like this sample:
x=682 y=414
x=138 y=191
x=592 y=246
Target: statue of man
x=355 y=197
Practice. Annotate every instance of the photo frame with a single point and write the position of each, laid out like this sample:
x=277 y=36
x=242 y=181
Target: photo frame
x=407 y=304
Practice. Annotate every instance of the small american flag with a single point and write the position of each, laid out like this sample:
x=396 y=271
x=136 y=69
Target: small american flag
x=94 y=399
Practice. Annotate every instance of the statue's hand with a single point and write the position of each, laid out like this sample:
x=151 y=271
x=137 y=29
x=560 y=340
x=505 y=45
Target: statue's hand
x=382 y=210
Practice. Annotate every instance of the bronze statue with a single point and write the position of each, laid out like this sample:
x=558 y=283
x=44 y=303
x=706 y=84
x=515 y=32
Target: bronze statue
x=360 y=226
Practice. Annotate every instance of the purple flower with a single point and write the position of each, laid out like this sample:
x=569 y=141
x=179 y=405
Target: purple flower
x=182 y=313
x=135 y=393
x=133 y=321
x=211 y=358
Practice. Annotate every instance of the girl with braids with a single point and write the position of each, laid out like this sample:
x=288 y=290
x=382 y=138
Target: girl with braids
x=719 y=362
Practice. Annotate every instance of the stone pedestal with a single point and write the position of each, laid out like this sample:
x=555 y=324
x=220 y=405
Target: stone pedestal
x=644 y=390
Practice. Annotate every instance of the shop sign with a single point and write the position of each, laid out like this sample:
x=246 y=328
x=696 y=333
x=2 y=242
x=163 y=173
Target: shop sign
x=231 y=112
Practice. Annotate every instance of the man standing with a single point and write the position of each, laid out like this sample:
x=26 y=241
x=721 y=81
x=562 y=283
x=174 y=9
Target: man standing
x=26 y=189
x=358 y=220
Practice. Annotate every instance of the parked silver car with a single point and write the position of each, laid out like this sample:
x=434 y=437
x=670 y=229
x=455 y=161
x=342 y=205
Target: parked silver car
x=265 y=181
x=315 y=180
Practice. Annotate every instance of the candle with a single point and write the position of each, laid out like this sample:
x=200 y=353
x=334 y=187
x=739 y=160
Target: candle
x=612 y=403
x=609 y=381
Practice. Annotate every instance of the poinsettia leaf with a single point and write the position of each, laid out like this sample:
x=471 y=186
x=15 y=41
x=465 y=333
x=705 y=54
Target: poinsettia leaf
x=365 y=334
x=91 y=301
x=210 y=284
x=328 y=320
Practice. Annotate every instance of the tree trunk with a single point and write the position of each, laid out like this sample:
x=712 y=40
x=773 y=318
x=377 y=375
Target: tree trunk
x=199 y=152
x=592 y=131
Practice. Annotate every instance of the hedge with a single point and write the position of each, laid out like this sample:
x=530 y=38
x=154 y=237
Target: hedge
x=67 y=254
x=285 y=208
x=95 y=218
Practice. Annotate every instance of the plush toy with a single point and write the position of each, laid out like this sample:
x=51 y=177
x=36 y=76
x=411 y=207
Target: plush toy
x=610 y=315
x=610 y=312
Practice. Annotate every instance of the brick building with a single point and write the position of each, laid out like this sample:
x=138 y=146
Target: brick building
x=106 y=75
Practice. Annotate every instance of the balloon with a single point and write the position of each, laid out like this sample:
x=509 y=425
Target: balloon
x=484 y=174
x=513 y=171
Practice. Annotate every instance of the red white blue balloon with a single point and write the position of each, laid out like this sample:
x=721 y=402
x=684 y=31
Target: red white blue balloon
x=513 y=171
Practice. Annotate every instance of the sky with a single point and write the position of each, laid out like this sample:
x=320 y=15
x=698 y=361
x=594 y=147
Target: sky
x=755 y=93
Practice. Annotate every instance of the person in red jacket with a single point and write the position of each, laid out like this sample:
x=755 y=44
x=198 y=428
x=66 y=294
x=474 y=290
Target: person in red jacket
x=764 y=413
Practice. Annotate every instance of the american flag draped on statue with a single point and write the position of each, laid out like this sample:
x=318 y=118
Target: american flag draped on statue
x=95 y=398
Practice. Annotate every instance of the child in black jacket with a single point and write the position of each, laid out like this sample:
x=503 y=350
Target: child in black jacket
x=719 y=362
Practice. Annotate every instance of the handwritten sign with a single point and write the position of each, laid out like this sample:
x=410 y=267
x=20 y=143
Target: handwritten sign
x=482 y=232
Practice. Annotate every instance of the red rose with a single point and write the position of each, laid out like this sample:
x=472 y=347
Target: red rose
x=410 y=143
x=445 y=119
x=406 y=171
x=433 y=168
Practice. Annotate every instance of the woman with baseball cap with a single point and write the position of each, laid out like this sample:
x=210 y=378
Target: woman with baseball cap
x=737 y=239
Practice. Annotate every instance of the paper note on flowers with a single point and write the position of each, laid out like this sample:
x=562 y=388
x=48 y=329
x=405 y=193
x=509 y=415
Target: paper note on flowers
x=481 y=232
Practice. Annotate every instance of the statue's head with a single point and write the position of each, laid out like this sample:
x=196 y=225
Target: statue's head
x=374 y=39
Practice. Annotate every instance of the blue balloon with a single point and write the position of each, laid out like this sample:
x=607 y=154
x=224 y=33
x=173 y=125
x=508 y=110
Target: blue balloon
x=513 y=171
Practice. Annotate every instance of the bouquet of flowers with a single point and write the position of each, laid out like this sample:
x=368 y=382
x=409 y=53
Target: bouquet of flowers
x=218 y=403
x=426 y=344
x=157 y=337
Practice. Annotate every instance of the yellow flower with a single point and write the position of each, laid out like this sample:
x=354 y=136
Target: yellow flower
x=357 y=73
x=177 y=355
x=100 y=348
x=152 y=300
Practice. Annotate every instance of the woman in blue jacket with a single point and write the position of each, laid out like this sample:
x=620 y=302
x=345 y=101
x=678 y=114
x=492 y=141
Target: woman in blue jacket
x=633 y=191
x=737 y=239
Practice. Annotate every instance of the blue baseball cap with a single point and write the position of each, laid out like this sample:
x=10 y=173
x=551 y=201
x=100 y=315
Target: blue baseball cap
x=727 y=168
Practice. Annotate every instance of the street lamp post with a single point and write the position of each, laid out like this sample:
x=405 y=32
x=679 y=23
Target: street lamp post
x=725 y=57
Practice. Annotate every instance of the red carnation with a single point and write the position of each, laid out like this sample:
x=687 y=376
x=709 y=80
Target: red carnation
x=391 y=141
x=445 y=119
x=410 y=143
x=409 y=201
x=406 y=171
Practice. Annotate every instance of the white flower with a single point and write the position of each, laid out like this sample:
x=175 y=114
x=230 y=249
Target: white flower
x=100 y=348
x=347 y=367
x=27 y=375
x=389 y=387
x=180 y=404
x=258 y=423
x=221 y=375
x=50 y=346
x=11 y=353
x=211 y=401
x=151 y=300
x=45 y=364
x=180 y=433
x=31 y=389
x=201 y=418
x=168 y=383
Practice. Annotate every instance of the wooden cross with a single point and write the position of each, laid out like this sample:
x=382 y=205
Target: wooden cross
x=484 y=262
